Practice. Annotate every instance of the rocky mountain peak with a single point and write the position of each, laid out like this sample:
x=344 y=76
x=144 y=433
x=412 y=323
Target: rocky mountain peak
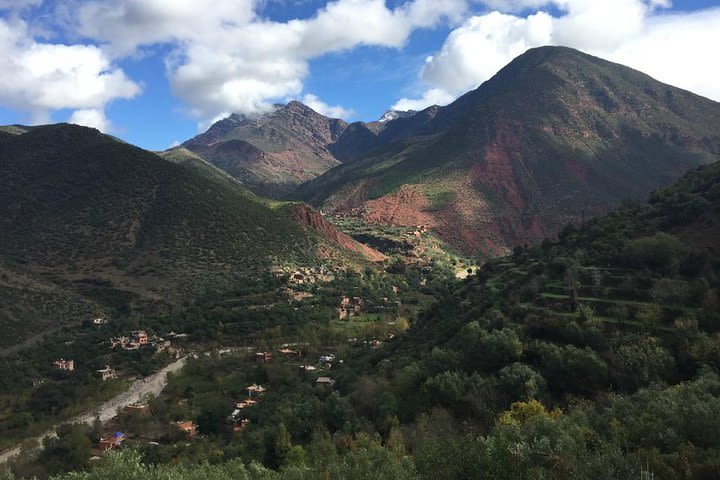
x=391 y=115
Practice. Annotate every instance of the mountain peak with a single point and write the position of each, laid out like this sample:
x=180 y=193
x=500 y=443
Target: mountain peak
x=299 y=107
x=391 y=115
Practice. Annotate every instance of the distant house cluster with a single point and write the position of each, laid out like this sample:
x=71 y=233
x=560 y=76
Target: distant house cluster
x=139 y=339
x=419 y=231
x=310 y=276
x=62 y=364
x=350 y=307
x=237 y=420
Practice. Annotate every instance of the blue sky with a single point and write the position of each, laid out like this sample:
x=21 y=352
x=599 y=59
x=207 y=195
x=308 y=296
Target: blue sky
x=155 y=72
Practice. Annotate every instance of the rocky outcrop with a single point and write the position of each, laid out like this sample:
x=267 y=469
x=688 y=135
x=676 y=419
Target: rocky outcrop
x=308 y=217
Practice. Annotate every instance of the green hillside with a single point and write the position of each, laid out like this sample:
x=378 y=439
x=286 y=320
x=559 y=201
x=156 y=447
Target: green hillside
x=594 y=356
x=129 y=230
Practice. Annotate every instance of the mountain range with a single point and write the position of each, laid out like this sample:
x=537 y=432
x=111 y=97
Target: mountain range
x=556 y=137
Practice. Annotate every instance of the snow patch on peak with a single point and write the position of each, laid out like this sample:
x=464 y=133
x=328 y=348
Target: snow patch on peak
x=391 y=115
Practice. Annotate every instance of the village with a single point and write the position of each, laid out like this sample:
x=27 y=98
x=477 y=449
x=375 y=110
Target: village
x=137 y=424
x=109 y=353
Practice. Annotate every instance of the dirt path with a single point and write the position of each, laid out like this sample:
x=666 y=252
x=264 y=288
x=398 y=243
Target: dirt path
x=151 y=385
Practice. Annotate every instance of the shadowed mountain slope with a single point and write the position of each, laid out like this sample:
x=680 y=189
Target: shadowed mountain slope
x=129 y=230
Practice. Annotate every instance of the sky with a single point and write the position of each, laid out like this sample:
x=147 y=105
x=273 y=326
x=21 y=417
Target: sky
x=157 y=72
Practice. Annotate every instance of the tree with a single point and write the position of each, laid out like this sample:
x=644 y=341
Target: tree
x=396 y=442
x=69 y=451
x=491 y=350
x=644 y=361
x=522 y=412
x=520 y=382
x=650 y=316
x=282 y=444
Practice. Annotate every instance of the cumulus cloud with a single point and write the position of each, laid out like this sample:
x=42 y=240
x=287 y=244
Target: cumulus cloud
x=38 y=78
x=91 y=117
x=332 y=111
x=637 y=33
x=226 y=58
x=434 y=96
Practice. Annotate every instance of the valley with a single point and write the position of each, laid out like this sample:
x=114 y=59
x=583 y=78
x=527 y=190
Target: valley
x=521 y=284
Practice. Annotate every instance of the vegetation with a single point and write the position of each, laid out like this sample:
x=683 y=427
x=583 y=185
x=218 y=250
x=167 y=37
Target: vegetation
x=596 y=356
x=92 y=225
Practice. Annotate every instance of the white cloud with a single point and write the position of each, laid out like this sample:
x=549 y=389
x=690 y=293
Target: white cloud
x=434 y=96
x=332 y=111
x=91 y=117
x=226 y=58
x=672 y=47
x=38 y=78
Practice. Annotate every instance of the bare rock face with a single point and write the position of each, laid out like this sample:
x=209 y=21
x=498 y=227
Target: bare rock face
x=305 y=215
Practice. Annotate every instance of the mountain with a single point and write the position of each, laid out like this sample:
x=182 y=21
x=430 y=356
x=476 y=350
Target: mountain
x=391 y=115
x=274 y=152
x=121 y=228
x=556 y=136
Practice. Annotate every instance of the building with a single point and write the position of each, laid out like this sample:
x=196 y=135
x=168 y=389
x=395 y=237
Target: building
x=186 y=427
x=256 y=391
x=63 y=364
x=290 y=353
x=139 y=337
x=263 y=357
x=327 y=381
x=107 y=373
x=239 y=425
x=137 y=409
x=350 y=307
x=100 y=321
x=245 y=404
x=328 y=358
x=113 y=441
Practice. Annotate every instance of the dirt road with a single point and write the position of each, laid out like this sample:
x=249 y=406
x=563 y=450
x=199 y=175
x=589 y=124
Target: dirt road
x=151 y=385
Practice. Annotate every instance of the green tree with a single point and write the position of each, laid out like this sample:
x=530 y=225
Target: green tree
x=520 y=382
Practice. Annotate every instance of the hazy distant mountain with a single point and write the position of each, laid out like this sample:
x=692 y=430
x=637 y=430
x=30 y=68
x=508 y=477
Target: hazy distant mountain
x=271 y=153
